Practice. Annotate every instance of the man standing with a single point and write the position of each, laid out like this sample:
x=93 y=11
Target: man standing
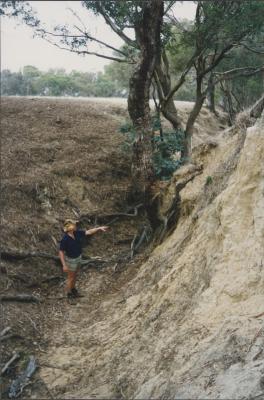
x=70 y=252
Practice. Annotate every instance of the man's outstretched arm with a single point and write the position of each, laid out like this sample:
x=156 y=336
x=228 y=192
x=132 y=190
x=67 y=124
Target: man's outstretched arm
x=95 y=230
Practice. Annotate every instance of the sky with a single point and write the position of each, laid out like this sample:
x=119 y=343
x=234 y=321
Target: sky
x=19 y=48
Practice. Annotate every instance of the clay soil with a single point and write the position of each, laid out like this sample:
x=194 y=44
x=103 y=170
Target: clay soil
x=60 y=158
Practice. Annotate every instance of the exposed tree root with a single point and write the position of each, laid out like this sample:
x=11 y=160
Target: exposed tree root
x=170 y=220
x=116 y=216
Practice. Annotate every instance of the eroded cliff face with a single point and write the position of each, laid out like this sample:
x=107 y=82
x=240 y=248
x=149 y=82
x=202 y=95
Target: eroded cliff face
x=188 y=324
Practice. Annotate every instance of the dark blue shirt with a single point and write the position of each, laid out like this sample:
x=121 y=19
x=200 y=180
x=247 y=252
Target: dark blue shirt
x=72 y=247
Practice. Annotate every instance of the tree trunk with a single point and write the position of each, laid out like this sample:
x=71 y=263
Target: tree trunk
x=228 y=102
x=164 y=88
x=148 y=32
x=200 y=97
x=211 y=95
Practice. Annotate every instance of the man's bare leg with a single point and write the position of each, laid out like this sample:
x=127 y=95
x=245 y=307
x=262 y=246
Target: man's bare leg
x=71 y=279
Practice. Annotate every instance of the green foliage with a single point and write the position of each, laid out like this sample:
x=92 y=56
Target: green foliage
x=226 y=21
x=123 y=13
x=209 y=180
x=56 y=82
x=246 y=90
x=165 y=148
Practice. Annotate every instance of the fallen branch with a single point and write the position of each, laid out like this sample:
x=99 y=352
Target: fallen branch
x=28 y=298
x=93 y=263
x=14 y=255
x=53 y=366
x=19 y=277
x=259 y=315
x=20 y=255
x=5 y=331
x=18 y=384
x=15 y=357
x=10 y=336
x=46 y=280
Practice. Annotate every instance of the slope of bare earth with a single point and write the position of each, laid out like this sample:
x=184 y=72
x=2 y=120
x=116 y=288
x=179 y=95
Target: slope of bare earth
x=179 y=322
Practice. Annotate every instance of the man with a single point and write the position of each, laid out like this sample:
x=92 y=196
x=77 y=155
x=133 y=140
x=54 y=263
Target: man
x=70 y=252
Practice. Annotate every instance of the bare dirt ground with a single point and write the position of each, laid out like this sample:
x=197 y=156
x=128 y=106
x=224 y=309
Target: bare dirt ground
x=61 y=158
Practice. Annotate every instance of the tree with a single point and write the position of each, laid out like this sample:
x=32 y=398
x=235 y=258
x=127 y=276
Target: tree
x=240 y=76
x=145 y=18
x=12 y=83
x=219 y=26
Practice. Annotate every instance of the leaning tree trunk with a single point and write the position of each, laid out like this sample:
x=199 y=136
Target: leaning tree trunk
x=168 y=109
x=200 y=97
x=148 y=32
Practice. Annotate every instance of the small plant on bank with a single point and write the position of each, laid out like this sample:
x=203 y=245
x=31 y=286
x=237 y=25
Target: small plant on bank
x=209 y=180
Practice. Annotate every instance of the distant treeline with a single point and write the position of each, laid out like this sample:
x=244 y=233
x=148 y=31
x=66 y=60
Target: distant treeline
x=56 y=82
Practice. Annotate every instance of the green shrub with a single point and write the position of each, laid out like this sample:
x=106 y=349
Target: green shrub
x=165 y=148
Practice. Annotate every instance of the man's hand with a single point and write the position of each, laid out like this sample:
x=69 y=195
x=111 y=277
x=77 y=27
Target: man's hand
x=103 y=228
x=65 y=268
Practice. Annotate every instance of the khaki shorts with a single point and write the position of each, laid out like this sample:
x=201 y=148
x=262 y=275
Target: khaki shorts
x=73 y=263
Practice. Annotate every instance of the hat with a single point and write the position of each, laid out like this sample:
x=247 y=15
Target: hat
x=69 y=224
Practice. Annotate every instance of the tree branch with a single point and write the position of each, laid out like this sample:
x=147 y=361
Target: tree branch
x=216 y=60
x=257 y=51
x=118 y=31
x=174 y=21
x=169 y=7
x=89 y=52
x=101 y=42
x=77 y=16
x=180 y=81
x=159 y=87
x=27 y=298
x=83 y=35
x=242 y=71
